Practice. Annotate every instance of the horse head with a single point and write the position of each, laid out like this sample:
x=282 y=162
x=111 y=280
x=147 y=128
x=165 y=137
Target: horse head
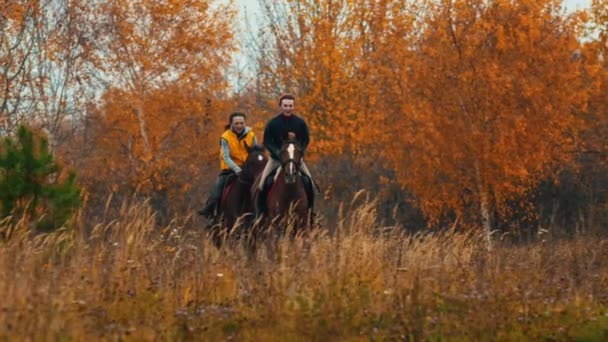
x=290 y=157
x=256 y=160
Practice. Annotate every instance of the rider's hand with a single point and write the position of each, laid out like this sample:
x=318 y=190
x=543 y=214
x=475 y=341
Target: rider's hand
x=291 y=136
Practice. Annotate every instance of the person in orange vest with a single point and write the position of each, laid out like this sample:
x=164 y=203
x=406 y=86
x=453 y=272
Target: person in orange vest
x=234 y=145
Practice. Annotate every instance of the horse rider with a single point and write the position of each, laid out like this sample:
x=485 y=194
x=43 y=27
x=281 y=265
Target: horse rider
x=234 y=144
x=284 y=126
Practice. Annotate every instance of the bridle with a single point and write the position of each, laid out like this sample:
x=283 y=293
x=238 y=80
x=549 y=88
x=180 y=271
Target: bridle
x=293 y=160
x=290 y=160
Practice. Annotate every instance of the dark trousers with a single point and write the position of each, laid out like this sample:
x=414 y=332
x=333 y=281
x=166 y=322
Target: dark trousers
x=216 y=193
x=213 y=202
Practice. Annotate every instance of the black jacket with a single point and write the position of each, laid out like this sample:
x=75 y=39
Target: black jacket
x=276 y=131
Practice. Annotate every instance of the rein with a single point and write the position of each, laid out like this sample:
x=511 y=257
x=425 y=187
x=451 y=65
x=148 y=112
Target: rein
x=293 y=160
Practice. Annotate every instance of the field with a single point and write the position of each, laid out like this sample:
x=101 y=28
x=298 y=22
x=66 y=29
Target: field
x=131 y=281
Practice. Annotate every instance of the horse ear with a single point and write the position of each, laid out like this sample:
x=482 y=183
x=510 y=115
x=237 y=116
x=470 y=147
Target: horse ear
x=247 y=147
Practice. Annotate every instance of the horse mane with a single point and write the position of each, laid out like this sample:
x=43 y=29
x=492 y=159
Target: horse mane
x=257 y=148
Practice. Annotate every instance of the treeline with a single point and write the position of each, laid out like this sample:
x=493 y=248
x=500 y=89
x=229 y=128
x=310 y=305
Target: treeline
x=460 y=113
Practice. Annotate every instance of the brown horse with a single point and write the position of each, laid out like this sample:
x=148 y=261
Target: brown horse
x=288 y=194
x=236 y=199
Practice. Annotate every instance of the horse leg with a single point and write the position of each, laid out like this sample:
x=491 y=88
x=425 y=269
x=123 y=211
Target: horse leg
x=310 y=191
x=269 y=245
x=249 y=241
x=228 y=220
x=214 y=234
x=269 y=232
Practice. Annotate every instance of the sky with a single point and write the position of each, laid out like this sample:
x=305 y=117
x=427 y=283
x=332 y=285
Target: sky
x=251 y=7
x=570 y=4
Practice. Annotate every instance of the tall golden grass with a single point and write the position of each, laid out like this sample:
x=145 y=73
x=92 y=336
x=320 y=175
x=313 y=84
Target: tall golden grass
x=132 y=281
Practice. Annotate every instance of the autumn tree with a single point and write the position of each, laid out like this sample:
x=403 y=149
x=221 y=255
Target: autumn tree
x=494 y=103
x=45 y=63
x=16 y=45
x=597 y=48
x=322 y=52
x=162 y=64
x=587 y=181
x=332 y=56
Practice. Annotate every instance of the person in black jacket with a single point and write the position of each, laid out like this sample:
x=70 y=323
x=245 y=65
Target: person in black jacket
x=284 y=126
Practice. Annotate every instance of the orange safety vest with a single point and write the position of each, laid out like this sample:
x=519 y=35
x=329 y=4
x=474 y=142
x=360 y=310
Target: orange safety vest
x=237 y=147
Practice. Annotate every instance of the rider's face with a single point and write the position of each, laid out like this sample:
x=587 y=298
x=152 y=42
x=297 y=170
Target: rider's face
x=287 y=106
x=238 y=124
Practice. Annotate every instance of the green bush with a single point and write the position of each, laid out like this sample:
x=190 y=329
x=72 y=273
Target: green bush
x=30 y=182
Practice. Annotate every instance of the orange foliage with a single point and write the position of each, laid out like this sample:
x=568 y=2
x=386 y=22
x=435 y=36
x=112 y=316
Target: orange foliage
x=181 y=137
x=472 y=103
x=495 y=102
x=159 y=122
x=14 y=11
x=325 y=53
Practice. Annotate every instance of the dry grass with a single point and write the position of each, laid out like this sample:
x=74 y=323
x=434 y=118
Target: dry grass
x=134 y=282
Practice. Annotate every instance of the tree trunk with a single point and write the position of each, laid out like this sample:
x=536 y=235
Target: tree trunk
x=142 y=128
x=484 y=206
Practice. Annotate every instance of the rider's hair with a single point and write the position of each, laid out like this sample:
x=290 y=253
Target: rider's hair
x=286 y=97
x=233 y=115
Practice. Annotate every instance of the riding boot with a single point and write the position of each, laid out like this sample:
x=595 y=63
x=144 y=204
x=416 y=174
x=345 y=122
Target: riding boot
x=209 y=209
x=212 y=204
x=310 y=192
x=311 y=200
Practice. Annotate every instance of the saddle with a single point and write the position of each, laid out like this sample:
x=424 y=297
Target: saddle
x=229 y=181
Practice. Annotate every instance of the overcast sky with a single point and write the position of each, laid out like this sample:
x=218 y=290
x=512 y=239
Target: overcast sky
x=251 y=7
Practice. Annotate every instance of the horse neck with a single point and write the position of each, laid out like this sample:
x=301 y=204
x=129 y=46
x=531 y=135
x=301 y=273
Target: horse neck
x=290 y=188
x=252 y=173
x=243 y=182
x=240 y=191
